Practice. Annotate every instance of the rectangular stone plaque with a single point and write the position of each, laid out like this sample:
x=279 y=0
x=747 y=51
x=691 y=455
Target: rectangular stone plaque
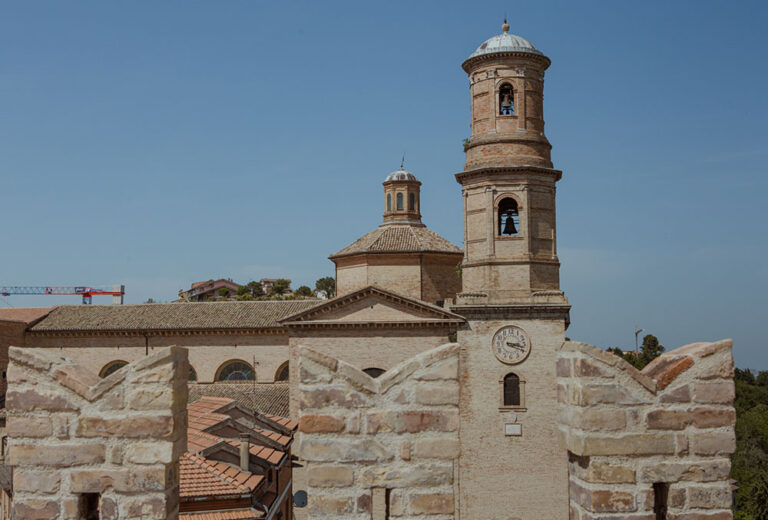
x=513 y=429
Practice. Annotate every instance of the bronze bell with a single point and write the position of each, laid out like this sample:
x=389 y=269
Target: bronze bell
x=509 y=226
x=506 y=104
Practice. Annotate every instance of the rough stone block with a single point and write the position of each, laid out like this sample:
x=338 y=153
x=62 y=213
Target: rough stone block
x=155 y=452
x=122 y=480
x=446 y=370
x=606 y=419
x=157 y=426
x=31 y=400
x=75 y=377
x=343 y=450
x=431 y=504
x=563 y=367
x=630 y=444
x=681 y=394
x=29 y=426
x=59 y=455
x=438 y=393
x=321 y=423
x=35 y=509
x=710 y=497
x=586 y=368
x=330 y=506
x=439 y=448
x=406 y=476
x=715 y=392
x=31 y=481
x=330 y=475
x=714 y=442
x=413 y=421
x=330 y=396
x=699 y=471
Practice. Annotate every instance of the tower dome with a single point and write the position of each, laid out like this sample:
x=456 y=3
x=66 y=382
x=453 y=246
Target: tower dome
x=505 y=42
x=401 y=175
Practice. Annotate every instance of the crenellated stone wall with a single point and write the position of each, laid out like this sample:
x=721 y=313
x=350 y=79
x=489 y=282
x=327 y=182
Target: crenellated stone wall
x=379 y=448
x=79 y=442
x=669 y=428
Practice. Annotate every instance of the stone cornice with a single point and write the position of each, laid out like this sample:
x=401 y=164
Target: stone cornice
x=491 y=171
x=513 y=312
x=267 y=331
x=471 y=63
x=421 y=324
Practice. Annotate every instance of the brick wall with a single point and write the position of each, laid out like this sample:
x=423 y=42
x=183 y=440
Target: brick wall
x=669 y=427
x=372 y=445
x=76 y=440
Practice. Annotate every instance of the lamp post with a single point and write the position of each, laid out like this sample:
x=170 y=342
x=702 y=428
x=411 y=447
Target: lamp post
x=637 y=333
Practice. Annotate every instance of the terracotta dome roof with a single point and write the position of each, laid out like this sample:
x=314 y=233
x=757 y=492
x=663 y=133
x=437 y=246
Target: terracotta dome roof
x=399 y=239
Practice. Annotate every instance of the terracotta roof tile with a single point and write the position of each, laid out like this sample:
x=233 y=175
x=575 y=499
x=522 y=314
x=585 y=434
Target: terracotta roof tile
x=200 y=477
x=25 y=314
x=399 y=239
x=171 y=316
x=271 y=399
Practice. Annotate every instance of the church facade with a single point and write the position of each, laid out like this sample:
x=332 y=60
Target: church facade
x=439 y=382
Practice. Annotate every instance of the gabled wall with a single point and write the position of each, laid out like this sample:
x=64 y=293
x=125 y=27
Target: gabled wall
x=72 y=434
x=671 y=424
x=372 y=445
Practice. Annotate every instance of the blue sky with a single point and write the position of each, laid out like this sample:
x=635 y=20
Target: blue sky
x=156 y=144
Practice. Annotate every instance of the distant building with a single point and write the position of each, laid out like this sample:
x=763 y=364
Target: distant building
x=268 y=283
x=209 y=290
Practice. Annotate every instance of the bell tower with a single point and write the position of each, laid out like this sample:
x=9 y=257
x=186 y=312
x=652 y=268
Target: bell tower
x=511 y=465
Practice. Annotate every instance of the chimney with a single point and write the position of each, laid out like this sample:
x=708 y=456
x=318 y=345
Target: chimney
x=245 y=442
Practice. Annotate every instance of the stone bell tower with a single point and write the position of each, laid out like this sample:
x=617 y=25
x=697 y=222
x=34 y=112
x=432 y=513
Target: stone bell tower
x=511 y=465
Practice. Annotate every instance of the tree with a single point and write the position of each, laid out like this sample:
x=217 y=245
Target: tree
x=326 y=286
x=650 y=350
x=149 y=300
x=223 y=292
x=281 y=286
x=762 y=378
x=304 y=291
x=745 y=375
x=256 y=289
x=243 y=290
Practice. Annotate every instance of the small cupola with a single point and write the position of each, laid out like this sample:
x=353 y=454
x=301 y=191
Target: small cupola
x=402 y=193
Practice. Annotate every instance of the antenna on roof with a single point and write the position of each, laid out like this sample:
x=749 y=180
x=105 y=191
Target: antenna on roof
x=402 y=163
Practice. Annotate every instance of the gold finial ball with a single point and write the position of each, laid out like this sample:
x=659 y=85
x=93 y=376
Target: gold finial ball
x=505 y=27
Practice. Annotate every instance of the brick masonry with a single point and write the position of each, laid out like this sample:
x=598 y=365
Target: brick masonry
x=625 y=430
x=72 y=434
x=371 y=445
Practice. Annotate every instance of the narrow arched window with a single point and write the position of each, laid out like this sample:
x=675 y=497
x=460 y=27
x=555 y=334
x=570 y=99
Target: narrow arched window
x=511 y=390
x=400 y=201
x=411 y=202
x=235 y=370
x=506 y=100
x=112 y=367
x=283 y=373
x=389 y=202
x=373 y=372
x=509 y=217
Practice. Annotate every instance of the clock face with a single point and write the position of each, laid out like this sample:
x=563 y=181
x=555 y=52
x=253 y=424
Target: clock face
x=511 y=345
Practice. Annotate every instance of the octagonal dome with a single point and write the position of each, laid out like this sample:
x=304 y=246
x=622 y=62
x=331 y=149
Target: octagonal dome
x=401 y=175
x=505 y=42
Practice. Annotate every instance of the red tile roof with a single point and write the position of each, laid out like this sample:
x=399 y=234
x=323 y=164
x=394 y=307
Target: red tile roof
x=24 y=314
x=204 y=478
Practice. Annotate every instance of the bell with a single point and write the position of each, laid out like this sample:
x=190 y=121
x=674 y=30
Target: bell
x=506 y=104
x=509 y=226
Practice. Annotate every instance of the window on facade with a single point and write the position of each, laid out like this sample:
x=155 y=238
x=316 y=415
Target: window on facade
x=411 y=202
x=506 y=100
x=399 y=201
x=112 y=367
x=235 y=371
x=283 y=373
x=192 y=374
x=511 y=390
x=660 y=497
x=374 y=372
x=509 y=217
x=389 y=202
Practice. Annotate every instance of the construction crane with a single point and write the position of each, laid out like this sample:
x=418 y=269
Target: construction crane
x=116 y=291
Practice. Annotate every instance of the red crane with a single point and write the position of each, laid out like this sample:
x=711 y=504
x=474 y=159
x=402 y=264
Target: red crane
x=86 y=292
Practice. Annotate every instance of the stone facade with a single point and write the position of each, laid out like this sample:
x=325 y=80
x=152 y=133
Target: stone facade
x=380 y=448
x=77 y=442
x=650 y=442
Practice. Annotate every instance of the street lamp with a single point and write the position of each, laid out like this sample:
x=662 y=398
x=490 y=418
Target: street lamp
x=637 y=333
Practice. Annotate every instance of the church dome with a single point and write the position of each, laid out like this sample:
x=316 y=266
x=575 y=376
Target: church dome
x=505 y=42
x=401 y=175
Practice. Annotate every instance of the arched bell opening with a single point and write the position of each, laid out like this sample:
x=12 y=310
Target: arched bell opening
x=506 y=100
x=508 y=217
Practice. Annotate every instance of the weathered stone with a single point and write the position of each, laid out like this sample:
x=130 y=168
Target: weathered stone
x=31 y=481
x=596 y=419
x=396 y=503
x=700 y=471
x=711 y=497
x=432 y=504
x=713 y=417
x=61 y=424
x=721 y=370
x=317 y=357
x=405 y=450
x=29 y=426
x=681 y=394
x=31 y=400
x=446 y=370
x=714 y=442
x=357 y=377
x=612 y=501
x=439 y=448
x=306 y=375
x=438 y=393
x=398 y=374
x=587 y=368
x=158 y=426
x=592 y=394
x=330 y=475
x=413 y=421
x=332 y=395
x=35 y=509
x=331 y=505
x=668 y=419
x=59 y=455
x=76 y=378
x=606 y=473
x=364 y=503
x=715 y=392
x=394 y=476
x=341 y=450
x=150 y=452
x=122 y=480
x=630 y=444
x=665 y=369
x=108 y=510
x=148 y=397
x=165 y=373
x=563 y=367
x=321 y=423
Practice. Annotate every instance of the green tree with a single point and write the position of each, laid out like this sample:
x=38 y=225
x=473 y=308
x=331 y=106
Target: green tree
x=762 y=378
x=304 y=291
x=326 y=286
x=223 y=292
x=256 y=289
x=243 y=290
x=650 y=350
x=745 y=375
x=280 y=287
